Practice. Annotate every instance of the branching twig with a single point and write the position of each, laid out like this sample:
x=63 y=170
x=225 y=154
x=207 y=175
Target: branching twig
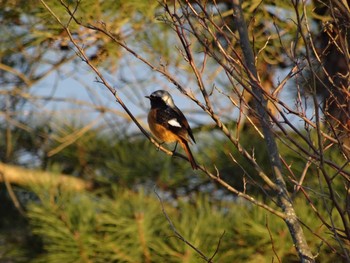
x=217 y=247
x=178 y=235
x=11 y=193
x=272 y=242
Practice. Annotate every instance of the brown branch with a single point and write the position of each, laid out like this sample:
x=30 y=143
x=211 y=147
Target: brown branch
x=245 y=196
x=186 y=45
x=271 y=239
x=217 y=247
x=178 y=235
x=17 y=73
x=11 y=193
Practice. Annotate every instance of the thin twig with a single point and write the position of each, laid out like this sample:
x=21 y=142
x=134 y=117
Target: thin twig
x=178 y=235
x=271 y=239
x=217 y=247
x=12 y=194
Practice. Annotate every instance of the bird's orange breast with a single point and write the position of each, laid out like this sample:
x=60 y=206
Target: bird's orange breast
x=159 y=130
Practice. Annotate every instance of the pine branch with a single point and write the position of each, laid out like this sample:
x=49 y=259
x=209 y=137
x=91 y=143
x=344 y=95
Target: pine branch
x=27 y=177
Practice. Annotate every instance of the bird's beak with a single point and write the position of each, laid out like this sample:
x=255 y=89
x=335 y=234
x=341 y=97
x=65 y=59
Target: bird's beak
x=147 y=97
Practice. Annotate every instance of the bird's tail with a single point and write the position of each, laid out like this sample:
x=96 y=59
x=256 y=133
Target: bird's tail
x=184 y=145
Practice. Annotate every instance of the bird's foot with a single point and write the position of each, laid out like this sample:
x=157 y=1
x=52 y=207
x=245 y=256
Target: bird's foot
x=173 y=151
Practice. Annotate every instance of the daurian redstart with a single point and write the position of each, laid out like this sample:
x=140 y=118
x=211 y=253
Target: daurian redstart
x=169 y=124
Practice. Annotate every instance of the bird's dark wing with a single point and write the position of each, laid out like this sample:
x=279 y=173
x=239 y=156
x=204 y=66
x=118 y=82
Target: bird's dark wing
x=185 y=123
x=174 y=120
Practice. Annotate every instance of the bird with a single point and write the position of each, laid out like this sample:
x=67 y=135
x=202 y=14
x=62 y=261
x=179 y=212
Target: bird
x=169 y=124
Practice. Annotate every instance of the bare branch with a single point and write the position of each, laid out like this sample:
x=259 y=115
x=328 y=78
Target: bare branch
x=178 y=235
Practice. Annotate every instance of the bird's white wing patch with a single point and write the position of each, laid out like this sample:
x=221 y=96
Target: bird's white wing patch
x=174 y=123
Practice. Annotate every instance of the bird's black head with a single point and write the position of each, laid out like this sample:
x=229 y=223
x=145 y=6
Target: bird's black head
x=161 y=98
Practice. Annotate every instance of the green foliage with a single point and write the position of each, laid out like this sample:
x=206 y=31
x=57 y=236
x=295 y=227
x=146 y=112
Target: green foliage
x=17 y=244
x=130 y=227
x=127 y=228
